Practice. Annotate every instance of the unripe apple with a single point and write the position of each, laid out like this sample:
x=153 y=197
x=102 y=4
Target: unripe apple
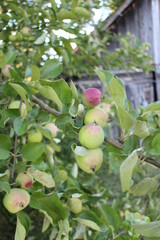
x=24 y=180
x=26 y=31
x=91 y=135
x=19 y=36
x=91 y=97
x=16 y=105
x=106 y=107
x=75 y=205
x=61 y=176
x=52 y=128
x=5 y=71
x=34 y=136
x=16 y=200
x=91 y=162
x=96 y=115
x=12 y=38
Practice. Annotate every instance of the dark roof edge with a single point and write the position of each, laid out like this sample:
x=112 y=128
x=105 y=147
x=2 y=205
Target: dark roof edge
x=116 y=14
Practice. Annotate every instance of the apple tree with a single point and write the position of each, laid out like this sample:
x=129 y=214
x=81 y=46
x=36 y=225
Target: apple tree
x=61 y=174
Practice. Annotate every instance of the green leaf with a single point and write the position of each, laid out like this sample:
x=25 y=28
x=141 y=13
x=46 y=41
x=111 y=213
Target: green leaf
x=42 y=177
x=35 y=73
x=155 y=150
x=22 y=92
x=63 y=120
x=51 y=69
x=75 y=108
x=92 y=220
x=3 y=61
x=126 y=170
x=32 y=151
x=4 y=154
x=5 y=186
x=5 y=142
x=88 y=223
x=151 y=229
x=141 y=129
x=22 y=227
x=61 y=88
x=65 y=14
x=114 y=86
x=20 y=127
x=130 y=144
x=81 y=12
x=10 y=56
x=49 y=203
x=126 y=120
x=147 y=185
x=50 y=94
x=110 y=216
x=74 y=90
x=79 y=150
x=41 y=39
x=152 y=107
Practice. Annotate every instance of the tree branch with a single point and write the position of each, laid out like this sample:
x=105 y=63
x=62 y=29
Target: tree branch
x=14 y=158
x=119 y=145
x=45 y=106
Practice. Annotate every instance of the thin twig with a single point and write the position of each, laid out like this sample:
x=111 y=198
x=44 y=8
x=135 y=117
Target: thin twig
x=120 y=146
x=15 y=149
x=45 y=106
x=14 y=158
x=113 y=142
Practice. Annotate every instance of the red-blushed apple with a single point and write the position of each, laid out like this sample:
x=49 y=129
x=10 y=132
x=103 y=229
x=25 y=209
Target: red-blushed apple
x=24 y=180
x=16 y=200
x=91 y=135
x=91 y=97
x=52 y=128
x=91 y=162
x=75 y=205
x=16 y=105
x=5 y=71
x=96 y=115
x=34 y=136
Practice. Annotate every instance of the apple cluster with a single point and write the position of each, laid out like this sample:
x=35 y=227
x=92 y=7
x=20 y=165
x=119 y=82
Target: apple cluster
x=18 y=198
x=91 y=135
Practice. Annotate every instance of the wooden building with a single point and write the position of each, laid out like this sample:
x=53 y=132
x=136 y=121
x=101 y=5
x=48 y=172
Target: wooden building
x=141 y=18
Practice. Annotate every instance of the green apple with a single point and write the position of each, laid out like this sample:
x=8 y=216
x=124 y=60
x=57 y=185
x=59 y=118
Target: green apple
x=34 y=136
x=12 y=38
x=91 y=162
x=75 y=205
x=61 y=176
x=16 y=200
x=96 y=115
x=26 y=31
x=24 y=180
x=16 y=105
x=91 y=135
x=52 y=128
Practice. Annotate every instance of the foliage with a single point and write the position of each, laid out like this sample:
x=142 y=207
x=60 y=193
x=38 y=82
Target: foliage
x=36 y=31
